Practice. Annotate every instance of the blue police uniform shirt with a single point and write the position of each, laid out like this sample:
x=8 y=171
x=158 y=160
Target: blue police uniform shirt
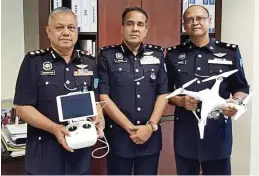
x=133 y=84
x=43 y=76
x=186 y=62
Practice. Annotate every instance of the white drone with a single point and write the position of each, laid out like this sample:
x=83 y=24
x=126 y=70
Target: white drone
x=211 y=99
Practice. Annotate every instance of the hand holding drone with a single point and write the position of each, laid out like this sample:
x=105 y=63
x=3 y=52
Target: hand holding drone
x=211 y=99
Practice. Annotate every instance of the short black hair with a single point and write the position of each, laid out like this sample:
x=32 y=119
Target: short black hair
x=196 y=6
x=130 y=9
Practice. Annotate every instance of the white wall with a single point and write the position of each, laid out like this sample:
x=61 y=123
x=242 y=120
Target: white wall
x=239 y=27
x=12 y=44
x=254 y=169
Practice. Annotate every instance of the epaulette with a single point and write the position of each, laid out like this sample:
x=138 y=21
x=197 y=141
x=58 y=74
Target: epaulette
x=225 y=45
x=38 y=52
x=176 y=47
x=83 y=53
x=155 y=47
x=107 y=47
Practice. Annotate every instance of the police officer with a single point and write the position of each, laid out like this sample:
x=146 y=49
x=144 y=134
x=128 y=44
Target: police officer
x=45 y=74
x=201 y=58
x=133 y=82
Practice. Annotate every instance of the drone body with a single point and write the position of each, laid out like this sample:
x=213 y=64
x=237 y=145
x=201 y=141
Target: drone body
x=210 y=99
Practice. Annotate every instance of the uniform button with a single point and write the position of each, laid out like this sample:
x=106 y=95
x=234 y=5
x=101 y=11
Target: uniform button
x=152 y=69
x=138 y=122
x=135 y=58
x=138 y=96
x=110 y=126
x=137 y=70
x=120 y=69
x=198 y=82
x=84 y=83
x=179 y=70
x=139 y=109
x=198 y=110
x=67 y=82
x=39 y=138
x=46 y=82
x=198 y=68
x=67 y=69
x=226 y=121
x=138 y=83
x=199 y=55
x=220 y=71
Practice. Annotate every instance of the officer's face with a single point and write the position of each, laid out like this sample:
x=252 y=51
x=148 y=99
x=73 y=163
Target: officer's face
x=134 y=29
x=62 y=30
x=196 y=22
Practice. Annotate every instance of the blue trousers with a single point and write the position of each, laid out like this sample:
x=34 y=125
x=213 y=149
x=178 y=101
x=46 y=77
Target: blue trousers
x=189 y=166
x=140 y=165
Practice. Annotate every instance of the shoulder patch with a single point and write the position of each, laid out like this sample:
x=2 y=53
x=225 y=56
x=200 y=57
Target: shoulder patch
x=83 y=53
x=107 y=47
x=38 y=52
x=155 y=47
x=226 y=45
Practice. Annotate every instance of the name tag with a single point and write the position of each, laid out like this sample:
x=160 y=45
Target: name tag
x=149 y=60
x=220 y=61
x=48 y=73
x=83 y=72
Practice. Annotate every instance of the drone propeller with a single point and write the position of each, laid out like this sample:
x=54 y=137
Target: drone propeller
x=189 y=83
x=179 y=90
x=225 y=75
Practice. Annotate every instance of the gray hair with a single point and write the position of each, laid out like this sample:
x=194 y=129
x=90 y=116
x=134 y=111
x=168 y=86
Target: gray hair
x=59 y=10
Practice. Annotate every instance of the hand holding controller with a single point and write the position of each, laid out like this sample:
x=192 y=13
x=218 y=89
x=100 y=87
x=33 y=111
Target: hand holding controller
x=82 y=134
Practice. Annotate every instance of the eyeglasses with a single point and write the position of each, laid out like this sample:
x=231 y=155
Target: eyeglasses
x=199 y=19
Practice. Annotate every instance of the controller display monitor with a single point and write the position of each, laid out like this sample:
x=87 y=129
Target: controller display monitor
x=76 y=106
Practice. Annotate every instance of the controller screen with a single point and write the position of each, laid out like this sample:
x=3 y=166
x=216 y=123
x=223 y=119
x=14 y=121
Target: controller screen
x=76 y=106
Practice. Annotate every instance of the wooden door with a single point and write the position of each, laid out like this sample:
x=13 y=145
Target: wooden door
x=164 y=21
x=109 y=18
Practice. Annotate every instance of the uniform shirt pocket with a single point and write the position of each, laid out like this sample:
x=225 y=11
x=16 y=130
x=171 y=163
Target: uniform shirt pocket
x=120 y=74
x=82 y=81
x=183 y=74
x=48 y=89
x=151 y=73
x=215 y=69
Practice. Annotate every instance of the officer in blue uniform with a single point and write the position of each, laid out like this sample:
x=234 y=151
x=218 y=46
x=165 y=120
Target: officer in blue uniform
x=202 y=57
x=133 y=82
x=45 y=74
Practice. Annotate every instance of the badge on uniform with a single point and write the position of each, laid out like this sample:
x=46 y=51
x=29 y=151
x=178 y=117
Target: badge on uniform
x=145 y=60
x=219 y=54
x=148 y=53
x=47 y=66
x=153 y=75
x=96 y=81
x=83 y=72
x=221 y=61
x=182 y=56
x=81 y=66
x=119 y=58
